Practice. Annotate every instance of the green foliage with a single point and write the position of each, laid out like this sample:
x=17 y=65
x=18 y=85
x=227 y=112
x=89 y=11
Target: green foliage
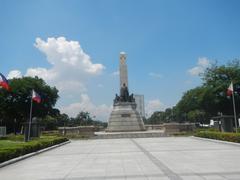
x=15 y=105
x=196 y=115
x=84 y=119
x=202 y=103
x=13 y=137
x=232 y=137
x=159 y=117
x=10 y=148
x=52 y=122
x=49 y=123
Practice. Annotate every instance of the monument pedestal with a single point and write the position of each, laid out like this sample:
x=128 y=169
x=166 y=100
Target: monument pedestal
x=125 y=117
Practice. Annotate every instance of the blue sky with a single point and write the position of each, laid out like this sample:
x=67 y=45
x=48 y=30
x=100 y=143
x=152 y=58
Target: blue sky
x=167 y=44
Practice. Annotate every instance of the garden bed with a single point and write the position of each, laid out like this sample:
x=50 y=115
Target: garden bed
x=14 y=146
x=231 y=137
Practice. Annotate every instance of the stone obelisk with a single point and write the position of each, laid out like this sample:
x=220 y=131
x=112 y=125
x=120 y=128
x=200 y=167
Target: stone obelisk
x=123 y=72
x=124 y=116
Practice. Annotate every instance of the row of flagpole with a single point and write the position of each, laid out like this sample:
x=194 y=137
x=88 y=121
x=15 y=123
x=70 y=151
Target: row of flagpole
x=34 y=97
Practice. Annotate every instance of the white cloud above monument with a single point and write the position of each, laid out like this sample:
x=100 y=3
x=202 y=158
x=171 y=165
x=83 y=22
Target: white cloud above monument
x=70 y=67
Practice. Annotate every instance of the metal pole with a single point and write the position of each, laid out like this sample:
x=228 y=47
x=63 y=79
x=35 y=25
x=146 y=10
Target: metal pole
x=234 y=111
x=30 y=120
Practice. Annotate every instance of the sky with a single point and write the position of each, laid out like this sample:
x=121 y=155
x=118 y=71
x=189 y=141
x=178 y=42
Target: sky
x=75 y=45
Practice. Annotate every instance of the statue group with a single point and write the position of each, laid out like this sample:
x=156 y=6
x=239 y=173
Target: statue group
x=124 y=95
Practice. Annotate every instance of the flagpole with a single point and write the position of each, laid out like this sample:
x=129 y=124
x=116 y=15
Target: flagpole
x=234 y=110
x=30 y=120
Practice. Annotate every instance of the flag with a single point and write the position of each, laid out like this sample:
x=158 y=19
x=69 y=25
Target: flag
x=230 y=89
x=4 y=82
x=36 y=97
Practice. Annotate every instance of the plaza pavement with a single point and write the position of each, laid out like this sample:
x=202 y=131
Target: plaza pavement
x=143 y=158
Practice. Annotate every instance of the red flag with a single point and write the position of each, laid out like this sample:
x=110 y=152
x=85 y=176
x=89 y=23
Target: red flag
x=4 y=82
x=36 y=97
x=230 y=89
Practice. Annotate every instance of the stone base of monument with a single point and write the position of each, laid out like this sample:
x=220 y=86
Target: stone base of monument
x=125 y=117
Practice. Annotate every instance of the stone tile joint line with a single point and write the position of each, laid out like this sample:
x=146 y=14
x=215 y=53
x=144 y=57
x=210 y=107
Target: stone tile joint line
x=168 y=172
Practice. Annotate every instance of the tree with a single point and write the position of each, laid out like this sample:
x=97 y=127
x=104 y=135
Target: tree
x=159 y=117
x=205 y=101
x=16 y=103
x=49 y=123
x=83 y=118
x=63 y=120
x=196 y=116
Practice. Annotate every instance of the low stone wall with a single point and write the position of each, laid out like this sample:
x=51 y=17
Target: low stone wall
x=171 y=128
x=79 y=130
x=154 y=127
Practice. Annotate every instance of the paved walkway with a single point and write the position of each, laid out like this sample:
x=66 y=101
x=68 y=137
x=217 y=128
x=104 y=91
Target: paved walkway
x=147 y=158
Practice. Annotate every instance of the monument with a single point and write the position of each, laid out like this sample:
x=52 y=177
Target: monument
x=124 y=116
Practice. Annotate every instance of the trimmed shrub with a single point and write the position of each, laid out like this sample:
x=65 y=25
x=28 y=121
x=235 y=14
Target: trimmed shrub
x=232 y=137
x=12 y=149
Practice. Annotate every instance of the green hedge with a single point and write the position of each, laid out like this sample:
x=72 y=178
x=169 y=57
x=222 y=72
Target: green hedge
x=12 y=149
x=232 y=137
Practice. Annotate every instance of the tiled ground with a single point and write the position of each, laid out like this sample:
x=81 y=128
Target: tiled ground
x=144 y=158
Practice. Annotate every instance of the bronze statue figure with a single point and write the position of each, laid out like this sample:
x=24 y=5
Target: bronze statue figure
x=124 y=95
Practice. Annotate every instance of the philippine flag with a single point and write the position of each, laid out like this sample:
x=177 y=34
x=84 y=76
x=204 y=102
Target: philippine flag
x=230 y=89
x=36 y=97
x=4 y=82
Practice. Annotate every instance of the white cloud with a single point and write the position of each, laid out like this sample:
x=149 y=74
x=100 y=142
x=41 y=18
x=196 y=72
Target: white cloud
x=102 y=112
x=46 y=74
x=14 y=74
x=202 y=64
x=71 y=87
x=70 y=68
x=155 y=75
x=154 y=105
x=59 y=51
x=69 y=63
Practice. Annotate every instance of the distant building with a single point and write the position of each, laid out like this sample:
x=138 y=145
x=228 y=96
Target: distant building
x=140 y=104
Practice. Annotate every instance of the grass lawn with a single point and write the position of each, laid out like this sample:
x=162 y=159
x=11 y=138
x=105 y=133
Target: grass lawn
x=14 y=146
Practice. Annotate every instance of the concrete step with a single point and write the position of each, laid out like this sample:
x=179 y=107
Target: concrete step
x=119 y=135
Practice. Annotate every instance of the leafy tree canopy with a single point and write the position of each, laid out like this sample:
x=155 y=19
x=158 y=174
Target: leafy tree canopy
x=201 y=103
x=15 y=104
